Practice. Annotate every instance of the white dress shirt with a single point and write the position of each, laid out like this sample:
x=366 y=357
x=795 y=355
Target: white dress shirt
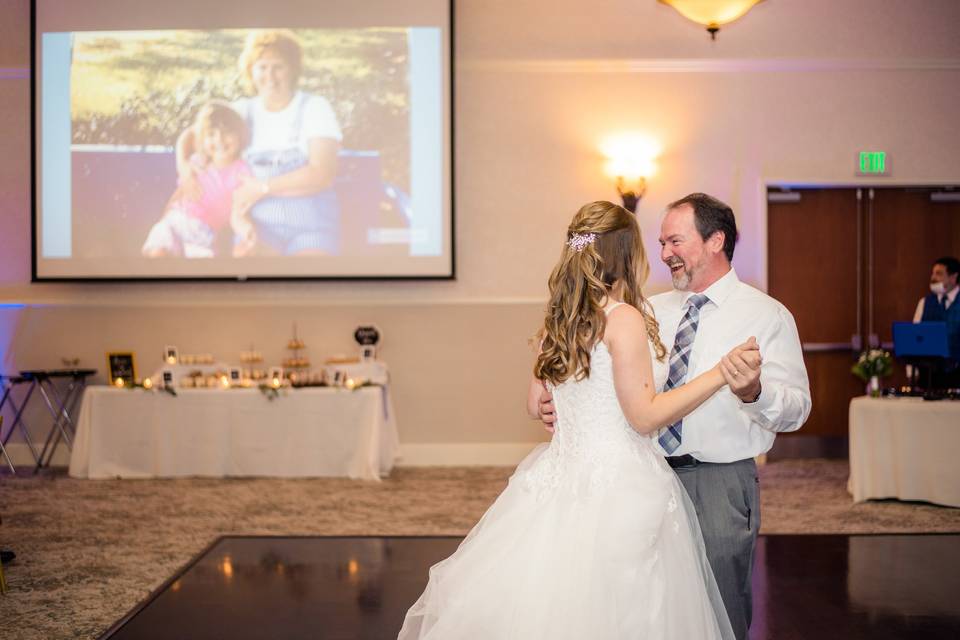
x=951 y=298
x=724 y=429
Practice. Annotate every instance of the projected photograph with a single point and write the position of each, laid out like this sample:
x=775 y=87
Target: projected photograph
x=267 y=148
x=200 y=144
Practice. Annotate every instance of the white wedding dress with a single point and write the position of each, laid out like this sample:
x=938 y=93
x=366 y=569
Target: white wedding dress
x=594 y=538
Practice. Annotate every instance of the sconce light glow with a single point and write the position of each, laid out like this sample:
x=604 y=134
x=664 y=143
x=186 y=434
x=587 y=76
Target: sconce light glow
x=630 y=160
x=630 y=156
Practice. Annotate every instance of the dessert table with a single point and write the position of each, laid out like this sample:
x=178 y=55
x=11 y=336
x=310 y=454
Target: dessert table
x=302 y=432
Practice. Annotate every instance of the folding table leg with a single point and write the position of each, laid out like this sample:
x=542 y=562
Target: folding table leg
x=71 y=403
x=63 y=425
x=53 y=447
x=60 y=413
x=54 y=429
x=20 y=423
x=13 y=469
x=6 y=393
x=3 y=401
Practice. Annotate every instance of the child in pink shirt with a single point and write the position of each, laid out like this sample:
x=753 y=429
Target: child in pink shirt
x=190 y=225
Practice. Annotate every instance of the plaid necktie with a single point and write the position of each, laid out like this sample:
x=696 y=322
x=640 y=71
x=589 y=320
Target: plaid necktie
x=679 y=358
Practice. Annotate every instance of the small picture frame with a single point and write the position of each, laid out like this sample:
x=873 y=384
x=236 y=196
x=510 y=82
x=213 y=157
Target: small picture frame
x=368 y=352
x=166 y=377
x=236 y=376
x=171 y=355
x=121 y=366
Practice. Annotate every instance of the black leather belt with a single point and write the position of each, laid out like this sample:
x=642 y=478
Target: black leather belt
x=682 y=461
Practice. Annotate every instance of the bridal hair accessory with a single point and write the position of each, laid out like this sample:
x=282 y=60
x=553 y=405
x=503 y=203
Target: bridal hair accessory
x=579 y=240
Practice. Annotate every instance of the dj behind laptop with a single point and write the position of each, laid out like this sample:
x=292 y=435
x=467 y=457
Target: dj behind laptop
x=934 y=359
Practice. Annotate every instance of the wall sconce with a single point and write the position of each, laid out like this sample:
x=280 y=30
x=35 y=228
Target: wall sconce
x=712 y=13
x=630 y=161
x=631 y=196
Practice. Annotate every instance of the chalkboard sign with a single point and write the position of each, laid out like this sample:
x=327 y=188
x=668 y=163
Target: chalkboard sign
x=121 y=365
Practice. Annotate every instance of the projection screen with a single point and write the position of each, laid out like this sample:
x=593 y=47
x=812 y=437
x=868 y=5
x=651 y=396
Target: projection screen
x=192 y=139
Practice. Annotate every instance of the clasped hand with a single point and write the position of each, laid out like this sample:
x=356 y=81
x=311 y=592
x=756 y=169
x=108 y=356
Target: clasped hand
x=741 y=370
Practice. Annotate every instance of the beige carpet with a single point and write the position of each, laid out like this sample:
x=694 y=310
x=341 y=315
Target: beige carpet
x=89 y=550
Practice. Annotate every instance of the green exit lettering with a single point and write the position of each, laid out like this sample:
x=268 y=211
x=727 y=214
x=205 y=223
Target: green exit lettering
x=872 y=163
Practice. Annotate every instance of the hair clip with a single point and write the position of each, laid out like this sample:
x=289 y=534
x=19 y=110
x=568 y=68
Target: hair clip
x=578 y=241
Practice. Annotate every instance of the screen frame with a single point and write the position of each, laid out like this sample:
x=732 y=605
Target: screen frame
x=34 y=158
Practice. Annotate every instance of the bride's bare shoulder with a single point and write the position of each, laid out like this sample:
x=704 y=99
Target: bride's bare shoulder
x=624 y=324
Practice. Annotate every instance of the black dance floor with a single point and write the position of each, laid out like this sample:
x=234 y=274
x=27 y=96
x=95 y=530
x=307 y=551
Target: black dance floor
x=820 y=587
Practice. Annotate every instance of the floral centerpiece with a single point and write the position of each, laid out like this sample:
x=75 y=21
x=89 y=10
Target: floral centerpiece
x=871 y=366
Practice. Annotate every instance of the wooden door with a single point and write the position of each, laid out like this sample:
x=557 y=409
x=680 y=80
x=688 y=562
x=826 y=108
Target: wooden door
x=814 y=267
x=908 y=231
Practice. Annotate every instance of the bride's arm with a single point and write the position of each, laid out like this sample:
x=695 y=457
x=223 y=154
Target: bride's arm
x=533 y=397
x=644 y=408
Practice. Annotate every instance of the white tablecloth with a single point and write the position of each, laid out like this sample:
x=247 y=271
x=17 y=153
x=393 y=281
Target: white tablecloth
x=305 y=432
x=905 y=448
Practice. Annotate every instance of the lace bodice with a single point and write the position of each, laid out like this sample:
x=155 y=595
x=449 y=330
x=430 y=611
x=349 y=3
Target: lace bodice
x=588 y=409
x=593 y=438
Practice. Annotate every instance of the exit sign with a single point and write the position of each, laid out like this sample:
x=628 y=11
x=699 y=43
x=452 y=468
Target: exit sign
x=873 y=163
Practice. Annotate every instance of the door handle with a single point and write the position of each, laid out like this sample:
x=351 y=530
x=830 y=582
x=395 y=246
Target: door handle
x=822 y=347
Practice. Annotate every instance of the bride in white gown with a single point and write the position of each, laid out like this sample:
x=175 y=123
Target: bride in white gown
x=594 y=537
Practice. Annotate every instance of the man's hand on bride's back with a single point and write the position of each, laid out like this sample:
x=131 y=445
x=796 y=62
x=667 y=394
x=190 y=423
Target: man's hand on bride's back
x=547 y=411
x=741 y=370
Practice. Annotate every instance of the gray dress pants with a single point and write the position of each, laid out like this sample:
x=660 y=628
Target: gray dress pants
x=727 y=499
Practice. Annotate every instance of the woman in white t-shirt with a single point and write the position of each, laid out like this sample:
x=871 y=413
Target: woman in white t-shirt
x=289 y=207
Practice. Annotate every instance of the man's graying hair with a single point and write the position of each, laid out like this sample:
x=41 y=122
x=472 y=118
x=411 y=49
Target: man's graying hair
x=711 y=215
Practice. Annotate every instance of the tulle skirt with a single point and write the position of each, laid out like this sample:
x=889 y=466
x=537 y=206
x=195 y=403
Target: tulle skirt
x=587 y=552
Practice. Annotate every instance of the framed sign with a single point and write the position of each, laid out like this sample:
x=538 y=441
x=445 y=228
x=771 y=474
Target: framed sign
x=368 y=337
x=121 y=366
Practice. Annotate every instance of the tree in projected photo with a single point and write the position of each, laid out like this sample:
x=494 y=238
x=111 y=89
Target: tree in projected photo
x=144 y=88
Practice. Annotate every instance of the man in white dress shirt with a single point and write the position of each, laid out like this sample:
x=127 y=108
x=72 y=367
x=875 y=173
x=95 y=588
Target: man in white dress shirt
x=720 y=439
x=712 y=449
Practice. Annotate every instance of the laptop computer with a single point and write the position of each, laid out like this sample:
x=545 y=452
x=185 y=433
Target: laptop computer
x=920 y=340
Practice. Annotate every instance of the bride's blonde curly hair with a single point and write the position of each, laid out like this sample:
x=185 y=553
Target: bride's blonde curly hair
x=580 y=284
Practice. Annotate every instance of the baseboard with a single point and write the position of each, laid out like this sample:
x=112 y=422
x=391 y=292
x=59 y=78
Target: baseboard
x=19 y=453
x=473 y=454
x=489 y=454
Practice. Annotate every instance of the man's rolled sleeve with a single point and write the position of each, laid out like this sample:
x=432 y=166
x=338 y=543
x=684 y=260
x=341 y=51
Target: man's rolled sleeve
x=784 y=402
